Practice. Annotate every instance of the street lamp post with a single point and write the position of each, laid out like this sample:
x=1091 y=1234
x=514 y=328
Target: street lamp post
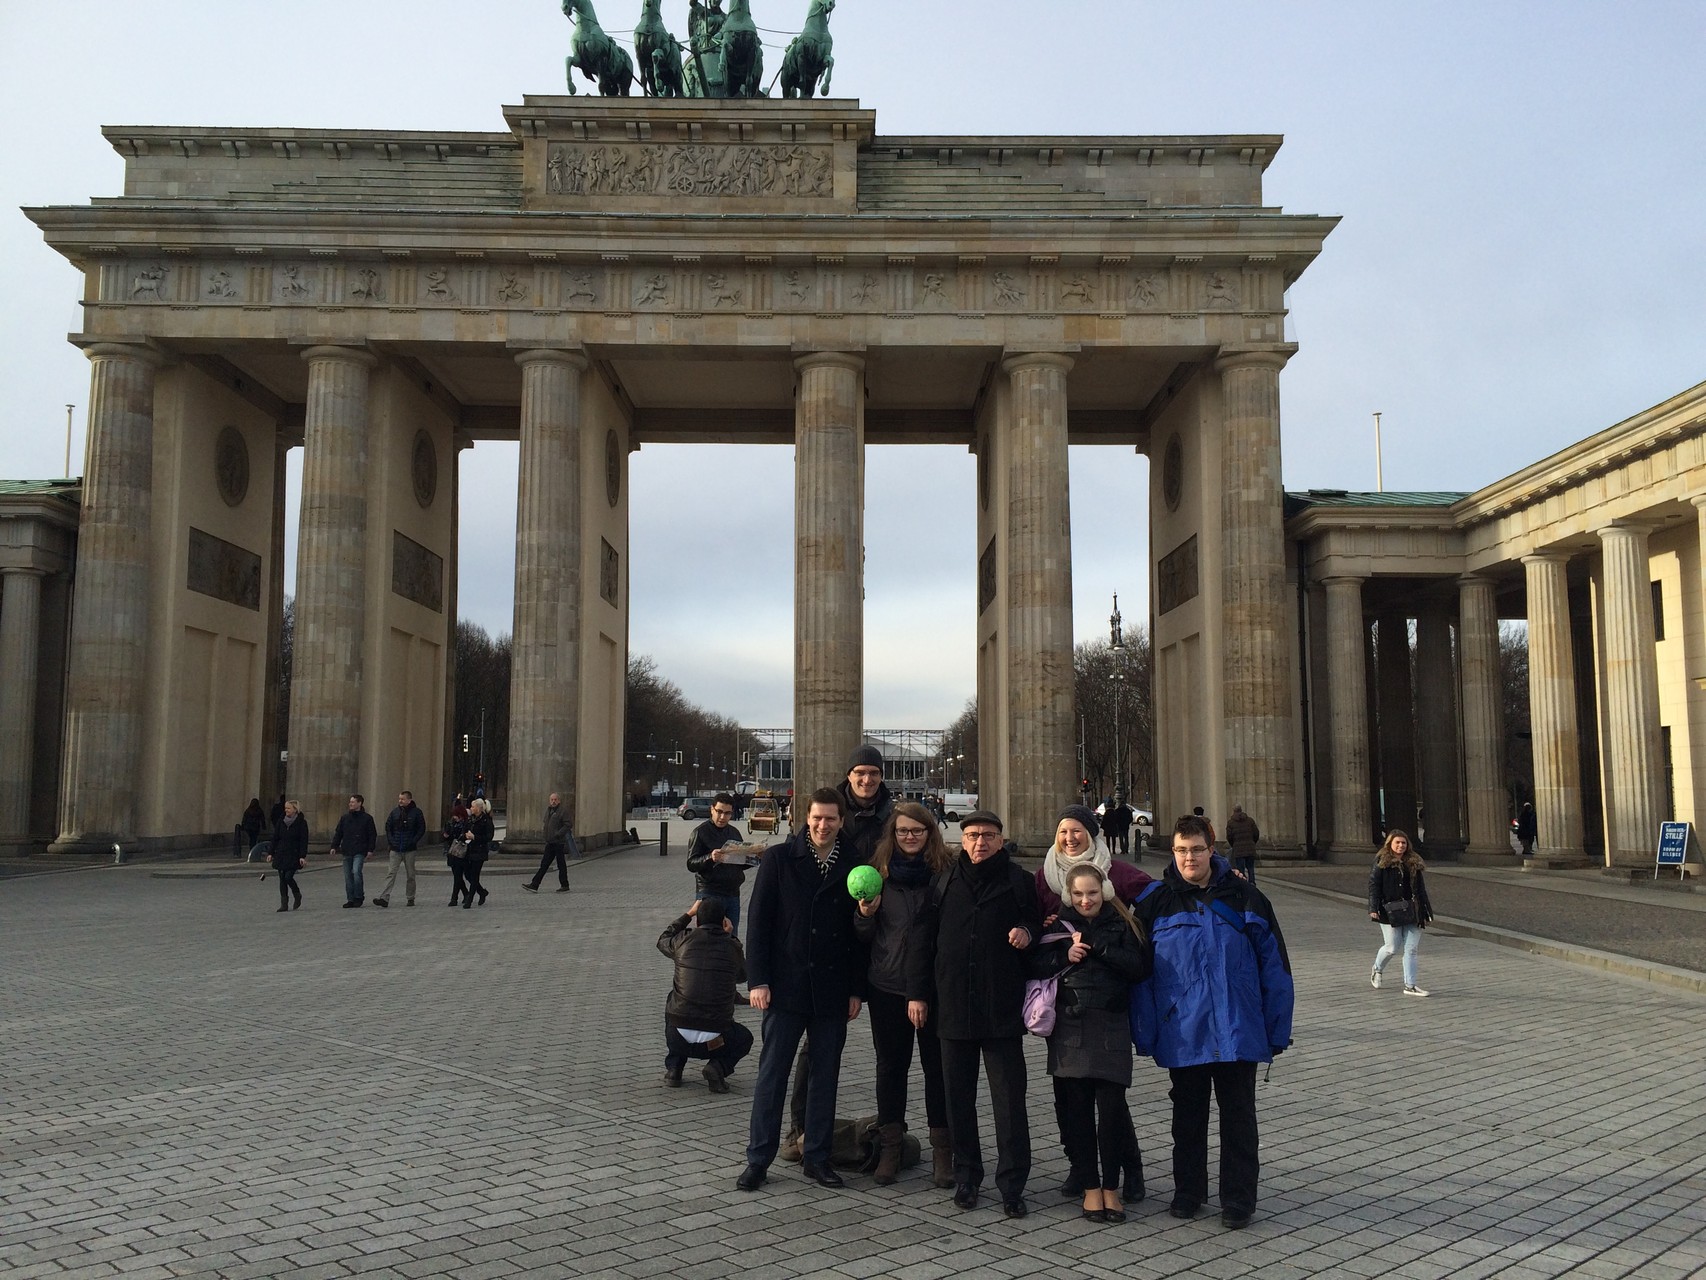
x=1116 y=645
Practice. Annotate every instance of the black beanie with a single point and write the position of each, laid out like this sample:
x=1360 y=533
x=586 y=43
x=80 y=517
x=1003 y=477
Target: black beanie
x=866 y=755
x=1083 y=815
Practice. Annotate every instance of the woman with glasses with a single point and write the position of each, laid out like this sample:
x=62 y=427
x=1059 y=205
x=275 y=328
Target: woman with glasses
x=909 y=854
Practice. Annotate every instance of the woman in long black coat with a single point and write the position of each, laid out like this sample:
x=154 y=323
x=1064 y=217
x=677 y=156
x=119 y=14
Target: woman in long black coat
x=289 y=852
x=480 y=831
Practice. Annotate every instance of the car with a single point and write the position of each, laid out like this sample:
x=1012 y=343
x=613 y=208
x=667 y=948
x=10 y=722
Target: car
x=695 y=807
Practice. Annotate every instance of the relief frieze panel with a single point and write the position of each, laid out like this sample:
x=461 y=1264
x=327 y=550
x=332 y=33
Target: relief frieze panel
x=784 y=171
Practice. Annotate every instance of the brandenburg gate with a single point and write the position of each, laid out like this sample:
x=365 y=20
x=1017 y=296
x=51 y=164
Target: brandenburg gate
x=608 y=273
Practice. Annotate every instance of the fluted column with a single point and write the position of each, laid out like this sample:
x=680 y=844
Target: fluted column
x=331 y=588
x=1483 y=717
x=1634 y=772
x=1436 y=730
x=1040 y=726
x=1552 y=708
x=1348 y=701
x=829 y=568
x=109 y=628
x=1258 y=720
x=1395 y=700
x=544 y=710
x=20 y=642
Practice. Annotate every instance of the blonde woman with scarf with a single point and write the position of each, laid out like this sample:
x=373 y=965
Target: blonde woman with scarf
x=1078 y=842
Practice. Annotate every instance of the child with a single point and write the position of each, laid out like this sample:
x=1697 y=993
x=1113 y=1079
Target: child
x=699 y=1017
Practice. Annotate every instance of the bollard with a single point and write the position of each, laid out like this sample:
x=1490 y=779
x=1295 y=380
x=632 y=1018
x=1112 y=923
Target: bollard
x=663 y=839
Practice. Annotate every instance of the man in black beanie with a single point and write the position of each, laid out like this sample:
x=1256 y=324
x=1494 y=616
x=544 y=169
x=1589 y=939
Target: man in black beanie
x=869 y=802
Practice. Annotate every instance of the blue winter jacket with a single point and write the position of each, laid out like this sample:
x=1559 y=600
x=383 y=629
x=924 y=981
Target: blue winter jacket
x=1221 y=989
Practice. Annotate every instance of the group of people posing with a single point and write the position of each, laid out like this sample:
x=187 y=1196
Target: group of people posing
x=955 y=955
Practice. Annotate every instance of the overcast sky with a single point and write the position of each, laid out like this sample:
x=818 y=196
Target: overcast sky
x=1520 y=263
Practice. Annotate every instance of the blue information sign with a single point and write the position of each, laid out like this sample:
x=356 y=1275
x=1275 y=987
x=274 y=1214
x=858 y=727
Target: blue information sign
x=1673 y=844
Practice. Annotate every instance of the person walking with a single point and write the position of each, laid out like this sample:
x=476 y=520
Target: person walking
x=1117 y=817
x=353 y=840
x=715 y=873
x=250 y=826
x=405 y=828
x=1078 y=843
x=557 y=839
x=1527 y=829
x=699 y=1016
x=456 y=854
x=1217 y=1003
x=967 y=973
x=289 y=852
x=909 y=855
x=1398 y=902
x=480 y=832
x=1089 y=1049
x=1242 y=836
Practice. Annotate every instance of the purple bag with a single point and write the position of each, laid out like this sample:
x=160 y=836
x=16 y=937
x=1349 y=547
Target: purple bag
x=1040 y=996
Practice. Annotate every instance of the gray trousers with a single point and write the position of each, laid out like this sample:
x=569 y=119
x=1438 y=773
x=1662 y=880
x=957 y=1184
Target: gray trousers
x=403 y=859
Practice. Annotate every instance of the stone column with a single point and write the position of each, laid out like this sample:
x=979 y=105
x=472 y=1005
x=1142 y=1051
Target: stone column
x=829 y=568
x=273 y=733
x=1041 y=731
x=1436 y=730
x=1483 y=718
x=1258 y=721
x=1396 y=703
x=1634 y=767
x=1348 y=700
x=109 y=629
x=544 y=699
x=20 y=643
x=331 y=589
x=1552 y=709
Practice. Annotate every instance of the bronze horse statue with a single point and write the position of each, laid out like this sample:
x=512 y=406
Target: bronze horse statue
x=743 y=53
x=808 y=58
x=658 y=53
x=595 y=54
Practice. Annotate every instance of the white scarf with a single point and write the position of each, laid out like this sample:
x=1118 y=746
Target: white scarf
x=1057 y=864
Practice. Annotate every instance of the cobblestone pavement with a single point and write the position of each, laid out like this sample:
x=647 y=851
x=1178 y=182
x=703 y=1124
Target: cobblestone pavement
x=198 y=1086
x=1664 y=926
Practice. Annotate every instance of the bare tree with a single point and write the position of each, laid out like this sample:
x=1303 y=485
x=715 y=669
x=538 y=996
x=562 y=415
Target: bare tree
x=482 y=686
x=1106 y=681
x=959 y=744
x=668 y=738
x=1519 y=736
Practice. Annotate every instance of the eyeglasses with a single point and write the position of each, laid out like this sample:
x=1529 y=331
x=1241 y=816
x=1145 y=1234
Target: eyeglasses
x=722 y=813
x=910 y=833
x=981 y=837
x=1196 y=851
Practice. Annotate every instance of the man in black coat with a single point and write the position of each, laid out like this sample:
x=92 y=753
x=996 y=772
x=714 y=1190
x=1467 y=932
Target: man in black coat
x=699 y=1016
x=353 y=840
x=806 y=973
x=405 y=828
x=967 y=972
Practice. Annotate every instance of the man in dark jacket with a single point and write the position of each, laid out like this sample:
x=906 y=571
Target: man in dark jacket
x=699 y=1016
x=1219 y=1002
x=1116 y=824
x=967 y=971
x=557 y=841
x=869 y=802
x=717 y=874
x=1242 y=837
x=807 y=976
x=354 y=839
x=405 y=828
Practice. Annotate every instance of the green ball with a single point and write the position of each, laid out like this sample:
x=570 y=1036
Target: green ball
x=864 y=883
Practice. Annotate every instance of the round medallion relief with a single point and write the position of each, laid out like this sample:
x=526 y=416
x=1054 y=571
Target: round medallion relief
x=231 y=466
x=424 y=468
x=1173 y=472
x=612 y=467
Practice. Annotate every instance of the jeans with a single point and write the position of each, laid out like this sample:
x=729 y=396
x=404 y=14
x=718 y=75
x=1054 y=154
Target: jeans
x=1407 y=936
x=405 y=860
x=737 y=1043
x=782 y=1031
x=1234 y=1086
x=1247 y=866
x=1004 y=1063
x=553 y=853
x=354 y=889
x=1094 y=1120
x=731 y=908
x=893 y=1036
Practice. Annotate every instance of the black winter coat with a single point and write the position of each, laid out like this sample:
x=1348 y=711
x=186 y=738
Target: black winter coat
x=1104 y=978
x=864 y=827
x=708 y=964
x=1389 y=884
x=799 y=930
x=405 y=828
x=480 y=831
x=711 y=876
x=289 y=844
x=961 y=963
x=355 y=836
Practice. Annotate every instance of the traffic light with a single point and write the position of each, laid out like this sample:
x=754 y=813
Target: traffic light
x=1084 y=784
x=464 y=744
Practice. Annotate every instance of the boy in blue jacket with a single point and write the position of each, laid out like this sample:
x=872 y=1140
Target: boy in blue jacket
x=1218 y=1003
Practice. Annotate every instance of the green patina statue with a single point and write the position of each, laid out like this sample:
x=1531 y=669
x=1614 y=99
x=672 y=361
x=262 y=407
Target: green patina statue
x=723 y=58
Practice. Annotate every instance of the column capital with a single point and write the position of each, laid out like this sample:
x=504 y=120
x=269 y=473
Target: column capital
x=852 y=361
x=1268 y=357
x=1546 y=557
x=572 y=357
x=1011 y=364
x=1626 y=528
x=22 y=571
x=140 y=351
x=329 y=351
x=1475 y=580
x=1355 y=579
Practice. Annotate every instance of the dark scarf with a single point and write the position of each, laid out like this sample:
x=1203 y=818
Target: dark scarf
x=909 y=873
x=987 y=872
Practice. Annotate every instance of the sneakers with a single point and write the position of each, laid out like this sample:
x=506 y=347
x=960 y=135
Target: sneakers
x=562 y=888
x=531 y=888
x=1414 y=991
x=380 y=902
x=1374 y=979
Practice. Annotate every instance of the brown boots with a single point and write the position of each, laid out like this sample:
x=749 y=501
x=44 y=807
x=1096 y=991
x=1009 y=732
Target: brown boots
x=889 y=1139
x=941 y=1159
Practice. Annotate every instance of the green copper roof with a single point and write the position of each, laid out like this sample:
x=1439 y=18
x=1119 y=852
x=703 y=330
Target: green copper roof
x=69 y=489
